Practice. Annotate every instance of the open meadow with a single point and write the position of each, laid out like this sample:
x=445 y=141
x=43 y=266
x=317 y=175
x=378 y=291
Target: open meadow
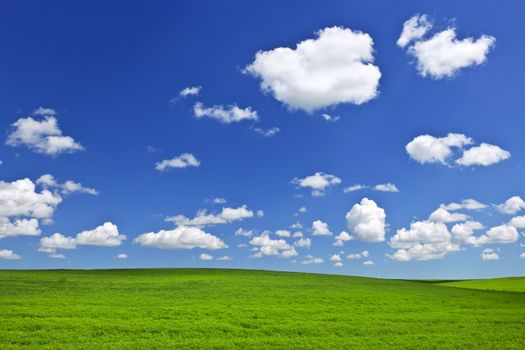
x=221 y=309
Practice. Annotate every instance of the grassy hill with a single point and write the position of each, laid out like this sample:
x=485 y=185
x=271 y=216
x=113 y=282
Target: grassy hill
x=512 y=284
x=221 y=309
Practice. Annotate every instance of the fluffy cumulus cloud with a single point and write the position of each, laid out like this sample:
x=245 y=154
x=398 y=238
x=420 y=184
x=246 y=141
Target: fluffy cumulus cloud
x=9 y=255
x=444 y=216
x=342 y=237
x=68 y=187
x=366 y=221
x=303 y=243
x=205 y=256
x=182 y=237
x=265 y=245
x=489 y=254
x=431 y=149
x=105 y=235
x=512 y=205
x=484 y=154
x=502 y=234
x=518 y=221
x=320 y=228
x=442 y=55
x=19 y=227
x=318 y=182
x=202 y=219
x=424 y=240
x=388 y=187
x=42 y=134
x=224 y=114
x=182 y=161
x=336 y=67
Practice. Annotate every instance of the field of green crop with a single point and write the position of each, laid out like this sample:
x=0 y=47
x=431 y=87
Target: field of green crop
x=222 y=309
x=513 y=284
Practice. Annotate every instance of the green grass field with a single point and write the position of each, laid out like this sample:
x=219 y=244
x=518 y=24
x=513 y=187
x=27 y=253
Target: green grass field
x=512 y=284
x=221 y=309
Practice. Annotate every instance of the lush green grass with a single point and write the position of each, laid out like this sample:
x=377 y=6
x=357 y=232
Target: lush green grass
x=200 y=308
x=512 y=284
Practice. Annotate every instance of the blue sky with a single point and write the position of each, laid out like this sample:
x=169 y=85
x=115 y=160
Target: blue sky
x=109 y=77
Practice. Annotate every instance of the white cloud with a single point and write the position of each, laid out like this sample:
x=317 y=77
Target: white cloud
x=318 y=182
x=243 y=232
x=442 y=55
x=502 y=234
x=106 y=235
x=335 y=258
x=425 y=240
x=512 y=205
x=518 y=222
x=122 y=256
x=353 y=188
x=219 y=200
x=190 y=91
x=330 y=118
x=296 y=226
x=226 y=115
x=283 y=233
x=68 y=187
x=444 y=216
x=338 y=264
x=320 y=228
x=57 y=256
x=289 y=253
x=297 y=234
x=489 y=254
x=9 y=255
x=303 y=243
x=20 y=198
x=355 y=256
x=19 y=227
x=388 y=187
x=41 y=111
x=183 y=161
x=226 y=216
x=522 y=255
x=336 y=67
x=368 y=263
x=366 y=221
x=225 y=258
x=414 y=29
x=42 y=136
x=267 y=246
x=430 y=149
x=469 y=204
x=484 y=154
x=182 y=237
x=267 y=132
x=342 y=237
x=56 y=241
x=463 y=232
x=302 y=210
x=312 y=260
x=205 y=256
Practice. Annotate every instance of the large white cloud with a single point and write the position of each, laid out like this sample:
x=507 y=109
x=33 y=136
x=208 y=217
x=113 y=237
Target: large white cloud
x=431 y=149
x=182 y=237
x=425 y=240
x=442 y=55
x=484 y=154
x=512 y=205
x=19 y=227
x=42 y=136
x=182 y=161
x=318 y=182
x=9 y=255
x=267 y=246
x=336 y=67
x=20 y=198
x=501 y=234
x=366 y=221
x=518 y=221
x=226 y=216
x=320 y=228
x=225 y=114
x=444 y=216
